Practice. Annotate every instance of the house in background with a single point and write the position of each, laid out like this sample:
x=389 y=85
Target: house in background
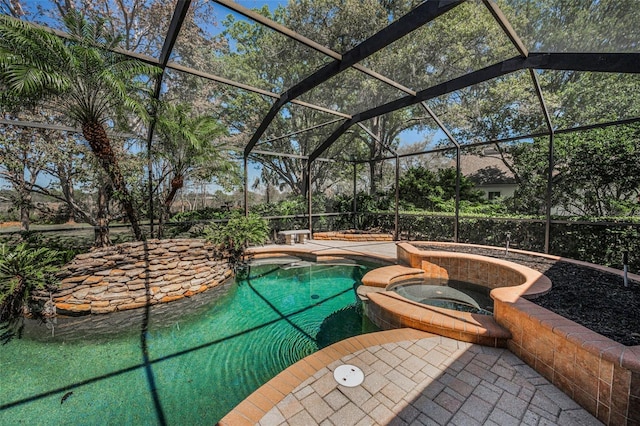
x=489 y=174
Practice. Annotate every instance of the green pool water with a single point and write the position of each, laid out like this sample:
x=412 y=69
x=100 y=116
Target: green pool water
x=186 y=362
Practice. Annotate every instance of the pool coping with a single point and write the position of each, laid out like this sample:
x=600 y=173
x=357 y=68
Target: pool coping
x=267 y=396
x=601 y=375
x=319 y=254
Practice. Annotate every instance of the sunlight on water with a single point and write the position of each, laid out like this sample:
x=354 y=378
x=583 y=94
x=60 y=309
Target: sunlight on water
x=206 y=354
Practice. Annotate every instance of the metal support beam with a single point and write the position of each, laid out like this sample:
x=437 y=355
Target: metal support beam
x=309 y=200
x=377 y=139
x=255 y=16
x=396 y=222
x=506 y=26
x=626 y=63
x=550 y=160
x=519 y=137
x=456 y=224
x=277 y=154
x=245 y=169
x=501 y=68
x=179 y=13
x=36 y=125
x=417 y=17
x=331 y=139
x=454 y=141
x=414 y=19
x=308 y=42
x=288 y=135
x=355 y=193
x=596 y=62
x=547 y=227
x=598 y=125
x=152 y=126
x=242 y=86
x=298 y=156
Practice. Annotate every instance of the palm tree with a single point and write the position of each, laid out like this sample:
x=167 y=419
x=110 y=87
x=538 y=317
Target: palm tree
x=82 y=78
x=189 y=146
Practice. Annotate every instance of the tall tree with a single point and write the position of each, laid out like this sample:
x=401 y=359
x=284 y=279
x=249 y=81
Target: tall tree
x=23 y=157
x=81 y=78
x=189 y=147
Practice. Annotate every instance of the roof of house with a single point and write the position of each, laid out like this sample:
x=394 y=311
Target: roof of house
x=486 y=169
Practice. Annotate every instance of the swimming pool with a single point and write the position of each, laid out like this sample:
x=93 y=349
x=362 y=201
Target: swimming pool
x=197 y=359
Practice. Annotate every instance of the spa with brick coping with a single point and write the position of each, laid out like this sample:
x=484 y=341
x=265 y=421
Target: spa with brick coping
x=389 y=310
x=601 y=375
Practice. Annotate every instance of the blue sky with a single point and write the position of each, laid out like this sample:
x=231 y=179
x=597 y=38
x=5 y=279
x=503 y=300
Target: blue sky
x=406 y=137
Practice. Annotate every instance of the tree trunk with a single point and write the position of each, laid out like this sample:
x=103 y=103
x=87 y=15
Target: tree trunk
x=95 y=133
x=101 y=231
x=66 y=185
x=25 y=209
x=176 y=184
x=372 y=177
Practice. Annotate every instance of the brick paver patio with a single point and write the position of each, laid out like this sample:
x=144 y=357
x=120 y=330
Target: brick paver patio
x=429 y=381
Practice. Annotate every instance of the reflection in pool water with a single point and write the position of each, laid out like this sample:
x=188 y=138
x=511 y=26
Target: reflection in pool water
x=204 y=354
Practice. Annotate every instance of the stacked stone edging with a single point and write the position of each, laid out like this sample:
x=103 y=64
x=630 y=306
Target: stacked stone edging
x=137 y=274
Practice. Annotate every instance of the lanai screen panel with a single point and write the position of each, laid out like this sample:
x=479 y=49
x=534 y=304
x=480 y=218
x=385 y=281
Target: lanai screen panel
x=350 y=146
x=511 y=180
x=505 y=107
x=575 y=25
x=225 y=43
x=464 y=39
x=597 y=173
x=340 y=26
x=143 y=28
x=405 y=131
x=298 y=130
x=240 y=111
x=352 y=91
x=583 y=98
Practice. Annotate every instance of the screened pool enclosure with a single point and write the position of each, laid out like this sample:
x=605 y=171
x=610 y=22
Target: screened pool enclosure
x=533 y=103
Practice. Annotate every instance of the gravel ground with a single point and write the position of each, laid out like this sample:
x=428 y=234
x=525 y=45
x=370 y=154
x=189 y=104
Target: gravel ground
x=595 y=299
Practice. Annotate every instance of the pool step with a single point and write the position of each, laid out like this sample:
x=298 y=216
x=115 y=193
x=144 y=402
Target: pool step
x=382 y=277
x=364 y=290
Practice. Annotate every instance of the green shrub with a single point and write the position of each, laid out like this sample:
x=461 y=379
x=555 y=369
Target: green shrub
x=22 y=271
x=207 y=213
x=232 y=238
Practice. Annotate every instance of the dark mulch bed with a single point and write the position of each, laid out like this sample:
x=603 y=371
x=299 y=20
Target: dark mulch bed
x=595 y=299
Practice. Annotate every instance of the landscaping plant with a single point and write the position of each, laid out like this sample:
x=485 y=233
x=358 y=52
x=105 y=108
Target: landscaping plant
x=23 y=270
x=232 y=238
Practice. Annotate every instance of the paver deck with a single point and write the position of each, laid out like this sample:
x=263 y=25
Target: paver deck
x=411 y=378
x=421 y=379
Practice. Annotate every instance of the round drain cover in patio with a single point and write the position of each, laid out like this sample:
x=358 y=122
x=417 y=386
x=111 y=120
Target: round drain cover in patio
x=348 y=375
